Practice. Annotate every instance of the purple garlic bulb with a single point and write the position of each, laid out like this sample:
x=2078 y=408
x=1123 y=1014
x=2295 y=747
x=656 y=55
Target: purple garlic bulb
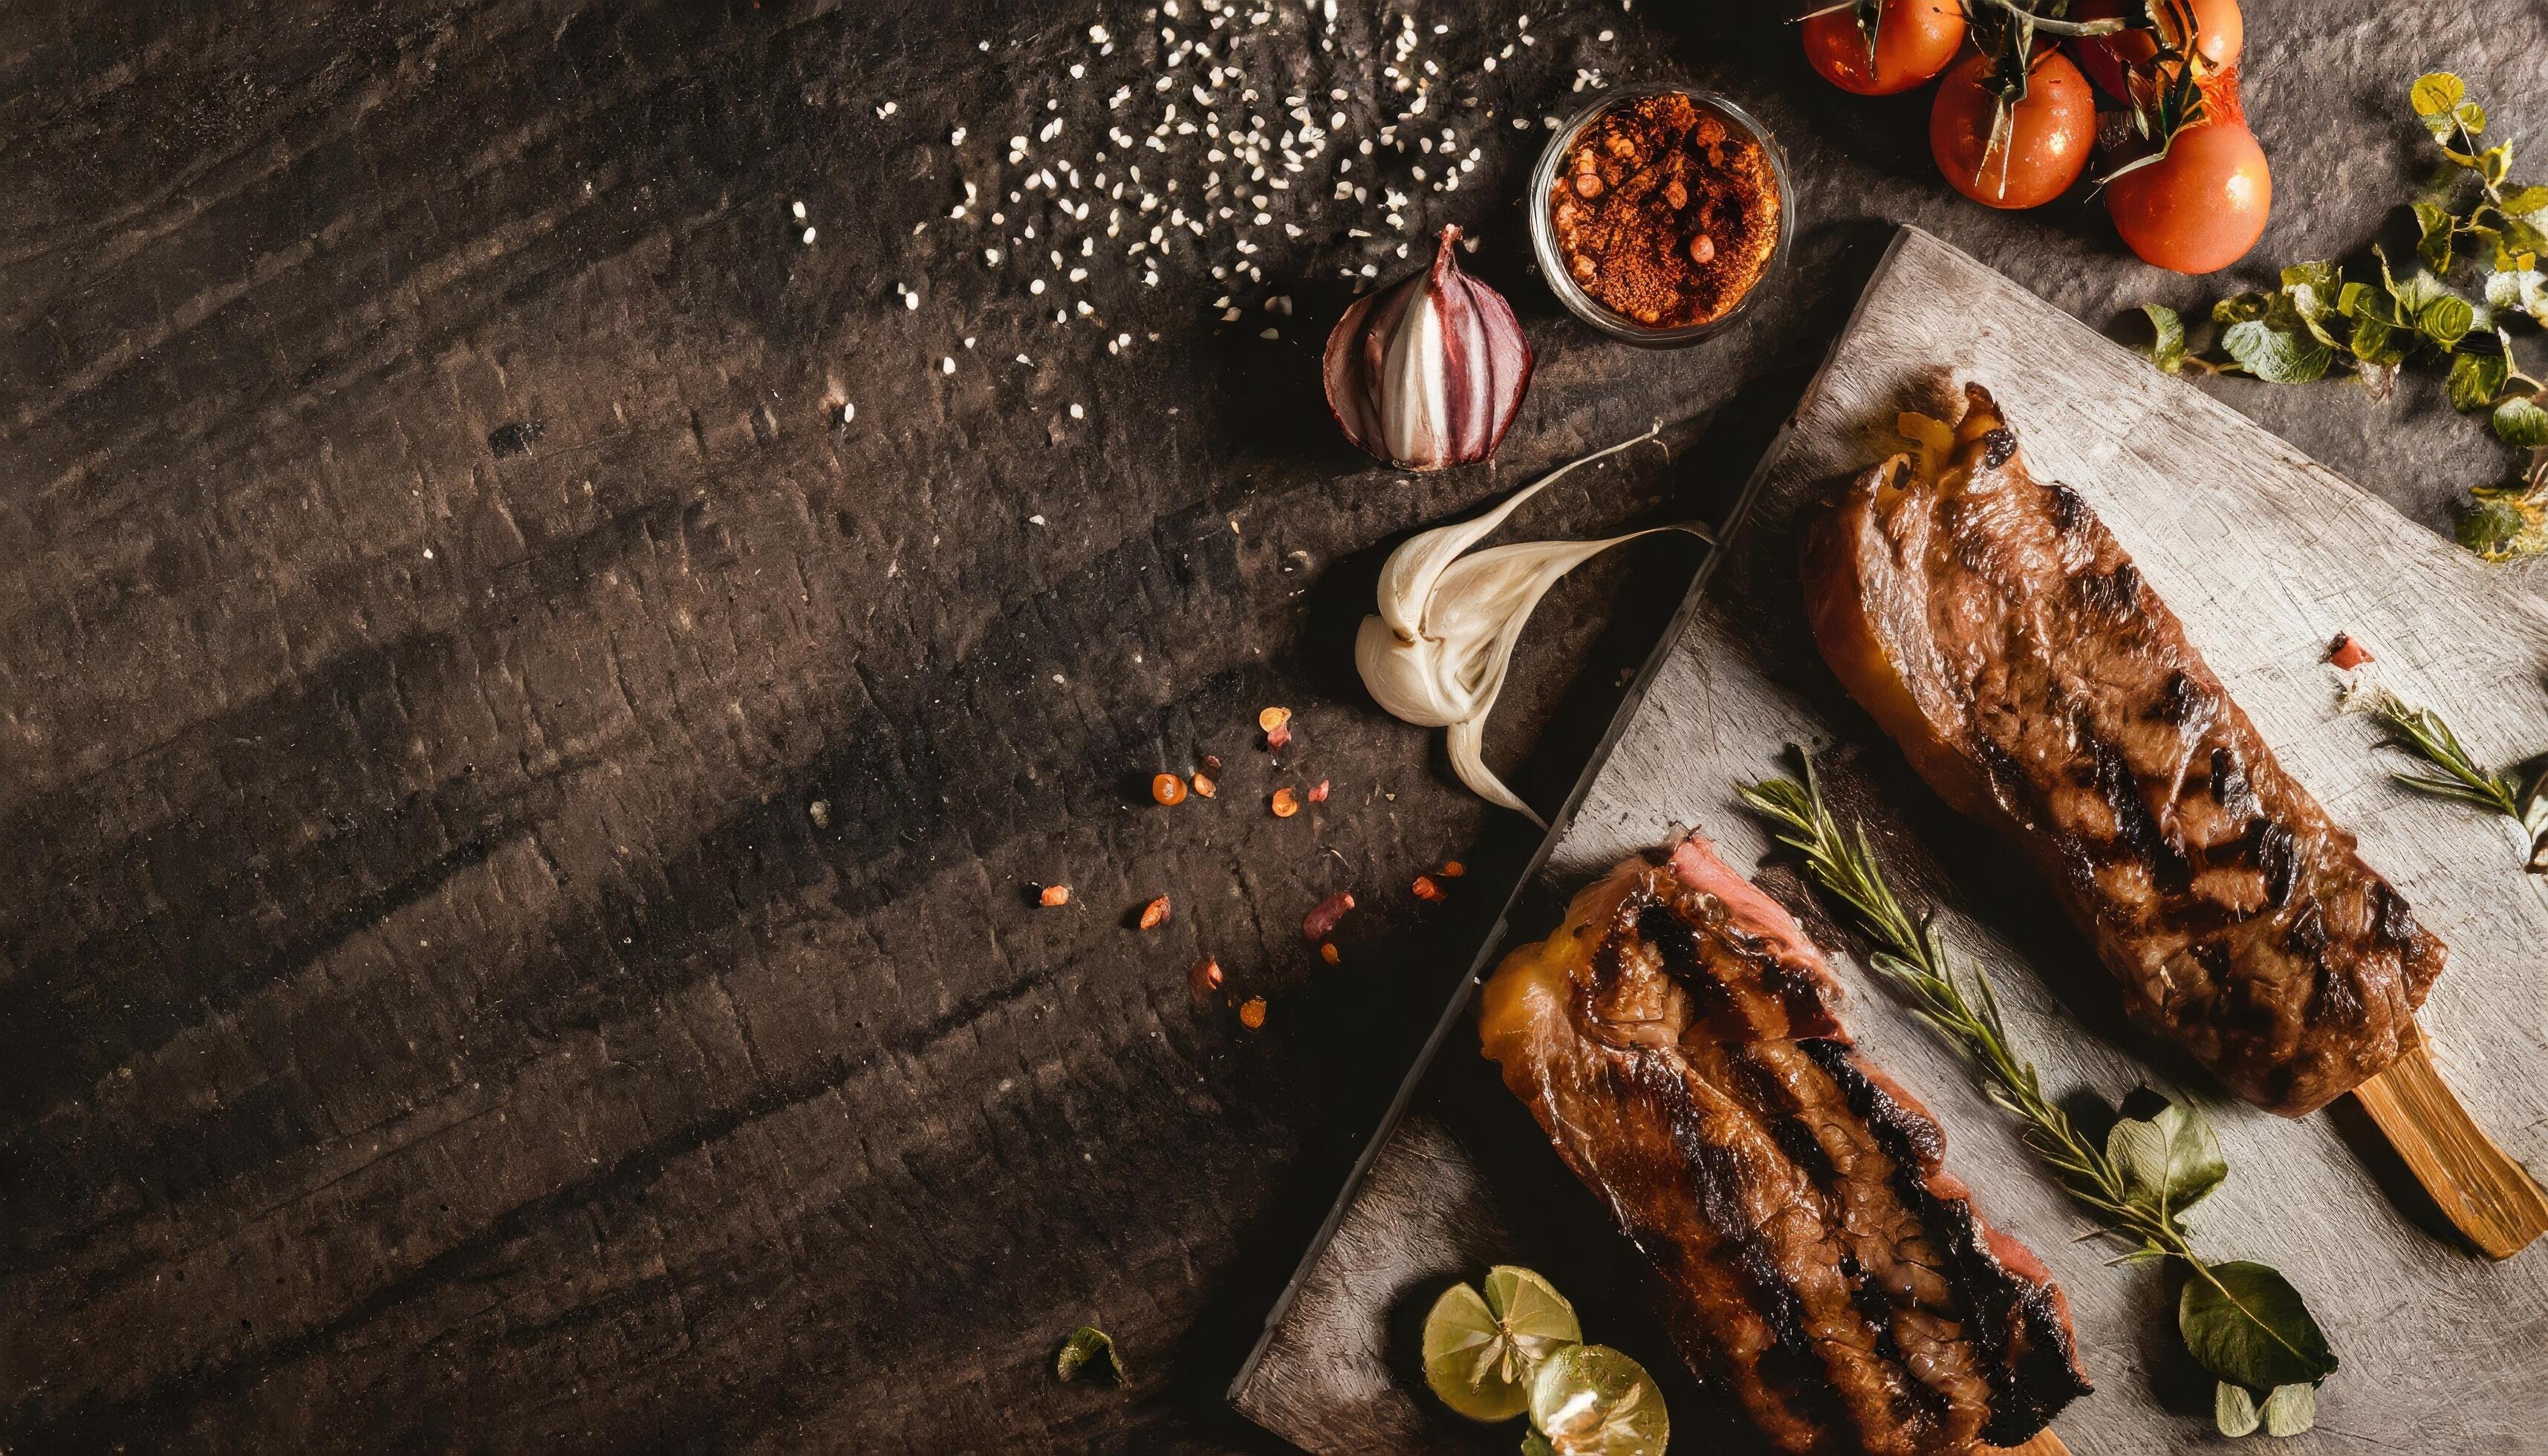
x=1429 y=371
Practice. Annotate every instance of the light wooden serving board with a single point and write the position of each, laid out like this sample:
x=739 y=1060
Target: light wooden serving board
x=2265 y=555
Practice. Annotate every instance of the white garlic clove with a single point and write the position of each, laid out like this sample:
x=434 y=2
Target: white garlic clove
x=1429 y=372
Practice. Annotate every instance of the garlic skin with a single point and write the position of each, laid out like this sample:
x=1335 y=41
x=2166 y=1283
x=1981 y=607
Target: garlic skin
x=1436 y=652
x=1429 y=372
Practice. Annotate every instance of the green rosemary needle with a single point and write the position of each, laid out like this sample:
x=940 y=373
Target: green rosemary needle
x=2419 y=729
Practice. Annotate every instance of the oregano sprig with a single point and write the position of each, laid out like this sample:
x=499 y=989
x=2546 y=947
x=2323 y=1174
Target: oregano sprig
x=2242 y=1321
x=2319 y=322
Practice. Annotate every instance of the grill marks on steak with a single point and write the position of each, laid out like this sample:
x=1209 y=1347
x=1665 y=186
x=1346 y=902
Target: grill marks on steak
x=1677 y=1040
x=1998 y=631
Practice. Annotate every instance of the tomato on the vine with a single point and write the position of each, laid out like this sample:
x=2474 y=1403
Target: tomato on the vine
x=2202 y=206
x=2048 y=134
x=1914 y=41
x=2220 y=32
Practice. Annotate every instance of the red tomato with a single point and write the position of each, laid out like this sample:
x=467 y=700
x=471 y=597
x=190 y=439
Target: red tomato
x=2048 y=134
x=2221 y=35
x=2201 y=207
x=1914 y=41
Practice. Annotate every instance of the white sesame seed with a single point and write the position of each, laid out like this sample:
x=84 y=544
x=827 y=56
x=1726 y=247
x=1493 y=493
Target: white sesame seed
x=809 y=236
x=849 y=412
x=1078 y=414
x=947 y=365
x=800 y=212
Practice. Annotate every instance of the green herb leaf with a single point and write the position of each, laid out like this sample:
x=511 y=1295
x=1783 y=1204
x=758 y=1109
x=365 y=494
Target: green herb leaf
x=2518 y=244
x=2436 y=94
x=2521 y=424
x=2352 y=297
x=2276 y=355
x=2234 y=1410
x=1089 y=1348
x=2170 y=1160
x=2291 y=1409
x=2503 y=524
x=2447 y=319
x=2246 y=1324
x=2436 y=228
x=2167 y=346
x=2416 y=294
x=2521 y=202
x=2475 y=379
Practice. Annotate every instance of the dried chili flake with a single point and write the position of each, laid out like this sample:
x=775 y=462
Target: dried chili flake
x=1278 y=738
x=1321 y=922
x=1251 y=1012
x=1156 y=913
x=1286 y=804
x=2347 y=652
x=1054 y=894
x=1204 y=785
x=1319 y=792
x=1211 y=763
x=1328 y=951
x=1168 y=789
x=1203 y=978
x=1427 y=889
x=1273 y=718
x=1453 y=869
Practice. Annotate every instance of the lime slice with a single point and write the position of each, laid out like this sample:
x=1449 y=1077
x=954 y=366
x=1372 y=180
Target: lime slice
x=1480 y=1349
x=1593 y=1401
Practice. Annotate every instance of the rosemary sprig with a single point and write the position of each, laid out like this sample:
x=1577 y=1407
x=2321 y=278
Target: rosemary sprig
x=2419 y=729
x=2242 y=1321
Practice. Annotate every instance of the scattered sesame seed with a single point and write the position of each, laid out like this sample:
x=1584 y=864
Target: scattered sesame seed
x=800 y=212
x=1078 y=414
x=809 y=237
x=947 y=365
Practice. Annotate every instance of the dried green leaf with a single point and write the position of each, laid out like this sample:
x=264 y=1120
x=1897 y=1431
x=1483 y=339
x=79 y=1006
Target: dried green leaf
x=2243 y=307
x=2234 y=1410
x=2521 y=424
x=2416 y=294
x=2167 y=346
x=2323 y=276
x=2244 y=1323
x=2518 y=244
x=2475 y=379
x=2496 y=162
x=2291 y=1409
x=2169 y=1161
x=2446 y=321
x=2350 y=299
x=1086 y=1348
x=2276 y=355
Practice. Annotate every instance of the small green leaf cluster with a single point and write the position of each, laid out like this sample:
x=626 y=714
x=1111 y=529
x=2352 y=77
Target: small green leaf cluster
x=2320 y=322
x=1089 y=1348
x=2242 y=1321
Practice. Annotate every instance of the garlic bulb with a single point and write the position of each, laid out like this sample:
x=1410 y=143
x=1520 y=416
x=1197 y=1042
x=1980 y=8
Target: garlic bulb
x=1429 y=371
x=1436 y=653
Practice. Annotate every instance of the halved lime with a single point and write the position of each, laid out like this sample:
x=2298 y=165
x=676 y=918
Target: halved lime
x=1480 y=1349
x=1593 y=1401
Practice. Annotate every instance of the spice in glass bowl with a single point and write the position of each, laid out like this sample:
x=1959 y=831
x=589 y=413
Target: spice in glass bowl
x=1663 y=213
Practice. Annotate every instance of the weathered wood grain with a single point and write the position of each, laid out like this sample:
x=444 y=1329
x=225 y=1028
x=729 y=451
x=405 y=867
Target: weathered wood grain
x=2265 y=556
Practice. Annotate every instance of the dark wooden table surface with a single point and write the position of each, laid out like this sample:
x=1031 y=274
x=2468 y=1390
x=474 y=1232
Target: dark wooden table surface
x=522 y=825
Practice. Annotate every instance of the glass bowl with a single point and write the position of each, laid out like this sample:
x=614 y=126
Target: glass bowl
x=1543 y=230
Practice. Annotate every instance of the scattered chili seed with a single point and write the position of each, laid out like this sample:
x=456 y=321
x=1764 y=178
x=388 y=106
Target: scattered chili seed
x=1204 y=785
x=1273 y=718
x=1286 y=804
x=1205 y=978
x=1453 y=869
x=1328 y=951
x=1251 y=1013
x=1156 y=913
x=2346 y=653
x=1168 y=789
x=1054 y=894
x=1278 y=738
x=1211 y=763
x=1319 y=923
x=1427 y=889
x=1319 y=794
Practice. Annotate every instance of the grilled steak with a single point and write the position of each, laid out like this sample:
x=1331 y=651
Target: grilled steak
x=1992 y=625
x=1675 y=1039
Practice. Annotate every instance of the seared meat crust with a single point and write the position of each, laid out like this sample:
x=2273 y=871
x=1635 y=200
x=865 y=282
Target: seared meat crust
x=1993 y=626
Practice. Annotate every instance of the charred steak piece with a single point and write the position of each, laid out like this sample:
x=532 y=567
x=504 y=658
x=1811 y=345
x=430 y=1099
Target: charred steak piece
x=1675 y=1039
x=1992 y=625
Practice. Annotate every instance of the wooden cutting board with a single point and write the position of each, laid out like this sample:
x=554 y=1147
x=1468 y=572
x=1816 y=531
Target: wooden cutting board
x=2265 y=555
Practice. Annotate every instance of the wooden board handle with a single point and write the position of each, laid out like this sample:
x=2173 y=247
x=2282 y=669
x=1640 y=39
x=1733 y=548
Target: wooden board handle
x=2485 y=1194
x=2042 y=1443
